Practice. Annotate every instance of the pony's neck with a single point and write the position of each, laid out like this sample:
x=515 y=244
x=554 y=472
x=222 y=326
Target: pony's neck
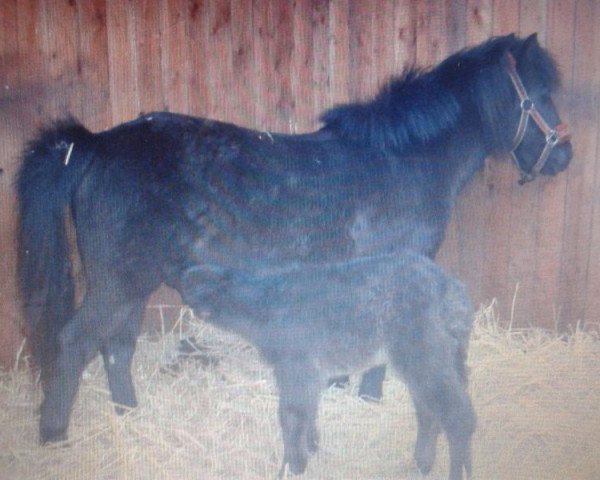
x=465 y=155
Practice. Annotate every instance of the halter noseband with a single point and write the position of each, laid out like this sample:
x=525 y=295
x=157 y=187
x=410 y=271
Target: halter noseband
x=554 y=136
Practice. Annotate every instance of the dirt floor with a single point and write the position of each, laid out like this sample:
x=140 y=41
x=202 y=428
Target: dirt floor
x=213 y=415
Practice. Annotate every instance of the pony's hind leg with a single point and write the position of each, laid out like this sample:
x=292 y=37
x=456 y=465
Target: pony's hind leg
x=98 y=319
x=299 y=386
x=371 y=384
x=117 y=353
x=78 y=344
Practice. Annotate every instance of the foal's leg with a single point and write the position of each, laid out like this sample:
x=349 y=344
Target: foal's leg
x=440 y=398
x=117 y=353
x=299 y=386
x=428 y=430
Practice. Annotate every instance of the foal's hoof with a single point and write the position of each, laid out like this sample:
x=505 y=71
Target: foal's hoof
x=425 y=461
x=296 y=466
x=312 y=441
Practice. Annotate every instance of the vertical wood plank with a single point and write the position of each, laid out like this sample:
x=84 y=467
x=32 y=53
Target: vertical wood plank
x=322 y=69
x=431 y=45
x=244 y=63
x=339 y=53
x=60 y=51
x=385 y=45
x=302 y=67
x=592 y=281
x=147 y=46
x=219 y=62
x=174 y=55
x=198 y=51
x=533 y=18
x=405 y=27
x=524 y=206
x=582 y=172
x=501 y=178
x=552 y=192
x=122 y=61
x=92 y=65
x=10 y=143
x=273 y=47
x=361 y=64
x=32 y=65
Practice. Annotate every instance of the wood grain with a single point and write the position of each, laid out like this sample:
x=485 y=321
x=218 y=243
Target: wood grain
x=275 y=66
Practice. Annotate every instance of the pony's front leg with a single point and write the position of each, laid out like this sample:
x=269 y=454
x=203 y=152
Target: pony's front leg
x=299 y=391
x=371 y=384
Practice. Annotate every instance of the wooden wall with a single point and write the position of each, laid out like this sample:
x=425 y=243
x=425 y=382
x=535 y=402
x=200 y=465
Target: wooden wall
x=274 y=65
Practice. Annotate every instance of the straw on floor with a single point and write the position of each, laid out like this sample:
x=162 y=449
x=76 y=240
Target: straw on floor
x=211 y=413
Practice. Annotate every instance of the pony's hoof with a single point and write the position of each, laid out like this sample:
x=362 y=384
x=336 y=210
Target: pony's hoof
x=122 y=409
x=339 y=382
x=371 y=386
x=50 y=435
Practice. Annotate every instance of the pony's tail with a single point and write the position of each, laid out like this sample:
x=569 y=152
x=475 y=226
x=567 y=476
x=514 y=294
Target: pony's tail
x=53 y=165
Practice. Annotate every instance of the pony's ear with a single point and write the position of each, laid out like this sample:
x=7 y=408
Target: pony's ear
x=531 y=42
x=529 y=45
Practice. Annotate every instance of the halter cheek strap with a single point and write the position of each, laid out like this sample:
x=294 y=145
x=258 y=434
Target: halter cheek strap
x=554 y=136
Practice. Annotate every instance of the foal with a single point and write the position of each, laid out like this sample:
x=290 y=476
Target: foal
x=312 y=322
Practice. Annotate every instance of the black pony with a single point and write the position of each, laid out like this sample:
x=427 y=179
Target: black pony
x=155 y=197
x=314 y=321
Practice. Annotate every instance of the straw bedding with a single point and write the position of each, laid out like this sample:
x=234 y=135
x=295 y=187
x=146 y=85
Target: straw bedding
x=212 y=414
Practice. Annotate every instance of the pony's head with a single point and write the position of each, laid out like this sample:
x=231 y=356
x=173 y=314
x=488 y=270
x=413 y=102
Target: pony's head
x=501 y=89
x=519 y=111
x=542 y=142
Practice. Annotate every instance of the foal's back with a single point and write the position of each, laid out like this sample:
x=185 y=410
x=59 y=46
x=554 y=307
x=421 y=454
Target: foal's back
x=344 y=315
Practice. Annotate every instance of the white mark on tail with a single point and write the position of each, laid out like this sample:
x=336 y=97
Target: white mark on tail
x=268 y=134
x=111 y=360
x=69 y=152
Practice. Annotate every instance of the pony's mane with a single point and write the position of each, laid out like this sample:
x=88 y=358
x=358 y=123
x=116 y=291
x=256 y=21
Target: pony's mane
x=422 y=106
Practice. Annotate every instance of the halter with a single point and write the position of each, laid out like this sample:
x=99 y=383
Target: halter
x=554 y=136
